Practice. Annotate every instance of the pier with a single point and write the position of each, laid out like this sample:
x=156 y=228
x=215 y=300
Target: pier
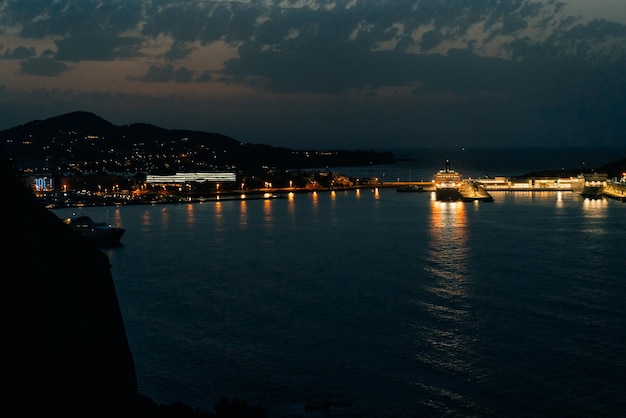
x=615 y=191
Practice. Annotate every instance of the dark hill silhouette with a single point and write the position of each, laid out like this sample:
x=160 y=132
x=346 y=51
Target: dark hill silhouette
x=612 y=169
x=79 y=137
x=74 y=121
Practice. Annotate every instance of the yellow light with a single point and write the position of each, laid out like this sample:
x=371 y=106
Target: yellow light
x=243 y=196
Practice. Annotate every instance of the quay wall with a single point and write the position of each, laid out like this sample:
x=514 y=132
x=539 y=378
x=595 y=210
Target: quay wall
x=615 y=191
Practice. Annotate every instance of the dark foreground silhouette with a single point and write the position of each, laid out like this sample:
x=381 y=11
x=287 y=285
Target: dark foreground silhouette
x=65 y=351
x=143 y=407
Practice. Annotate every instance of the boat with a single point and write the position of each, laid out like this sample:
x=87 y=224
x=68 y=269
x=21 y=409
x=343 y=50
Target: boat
x=101 y=234
x=410 y=188
x=447 y=184
x=590 y=185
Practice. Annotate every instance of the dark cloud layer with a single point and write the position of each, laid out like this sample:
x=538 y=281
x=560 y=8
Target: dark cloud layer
x=518 y=69
x=43 y=66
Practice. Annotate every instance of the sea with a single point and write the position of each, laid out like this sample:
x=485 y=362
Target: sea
x=374 y=303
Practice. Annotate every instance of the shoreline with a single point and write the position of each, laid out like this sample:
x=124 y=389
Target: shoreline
x=58 y=200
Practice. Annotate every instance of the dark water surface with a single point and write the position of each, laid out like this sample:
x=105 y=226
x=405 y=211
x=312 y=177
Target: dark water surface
x=385 y=304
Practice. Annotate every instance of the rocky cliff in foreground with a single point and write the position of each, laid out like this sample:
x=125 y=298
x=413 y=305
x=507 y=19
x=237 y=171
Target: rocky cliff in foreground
x=64 y=343
x=65 y=350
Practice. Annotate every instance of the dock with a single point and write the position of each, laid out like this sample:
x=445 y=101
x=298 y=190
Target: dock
x=473 y=191
x=481 y=188
x=615 y=191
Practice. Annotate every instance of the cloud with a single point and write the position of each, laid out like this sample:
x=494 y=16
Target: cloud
x=204 y=77
x=178 y=51
x=183 y=75
x=164 y=74
x=97 y=45
x=43 y=66
x=41 y=19
x=412 y=64
x=19 y=53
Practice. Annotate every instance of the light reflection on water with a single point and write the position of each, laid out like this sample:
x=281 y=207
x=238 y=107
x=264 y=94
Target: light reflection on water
x=448 y=246
x=446 y=347
x=189 y=210
x=267 y=213
x=117 y=217
x=595 y=208
x=243 y=214
x=594 y=214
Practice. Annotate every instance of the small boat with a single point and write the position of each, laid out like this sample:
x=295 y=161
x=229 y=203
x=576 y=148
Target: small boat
x=447 y=184
x=410 y=188
x=98 y=233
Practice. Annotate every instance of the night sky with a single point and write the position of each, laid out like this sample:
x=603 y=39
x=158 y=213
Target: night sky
x=326 y=74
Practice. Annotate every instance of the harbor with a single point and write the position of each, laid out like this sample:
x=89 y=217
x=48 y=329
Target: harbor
x=479 y=189
x=446 y=184
x=446 y=280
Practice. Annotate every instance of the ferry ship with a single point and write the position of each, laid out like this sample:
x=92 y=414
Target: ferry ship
x=448 y=184
x=590 y=185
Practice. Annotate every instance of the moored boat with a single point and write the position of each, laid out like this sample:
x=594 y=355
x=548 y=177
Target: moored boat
x=98 y=233
x=410 y=188
x=590 y=185
x=447 y=184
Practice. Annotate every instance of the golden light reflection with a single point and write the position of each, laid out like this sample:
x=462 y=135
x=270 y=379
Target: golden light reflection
x=267 y=212
x=376 y=193
x=595 y=207
x=446 y=215
x=357 y=192
x=117 y=217
x=559 y=200
x=448 y=252
x=243 y=213
x=190 y=213
x=594 y=214
x=291 y=204
x=333 y=194
x=446 y=302
x=218 y=212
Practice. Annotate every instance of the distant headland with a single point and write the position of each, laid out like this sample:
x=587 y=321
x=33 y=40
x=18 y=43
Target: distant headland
x=86 y=143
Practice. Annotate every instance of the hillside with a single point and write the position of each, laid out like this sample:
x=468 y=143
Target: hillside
x=85 y=141
x=612 y=169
